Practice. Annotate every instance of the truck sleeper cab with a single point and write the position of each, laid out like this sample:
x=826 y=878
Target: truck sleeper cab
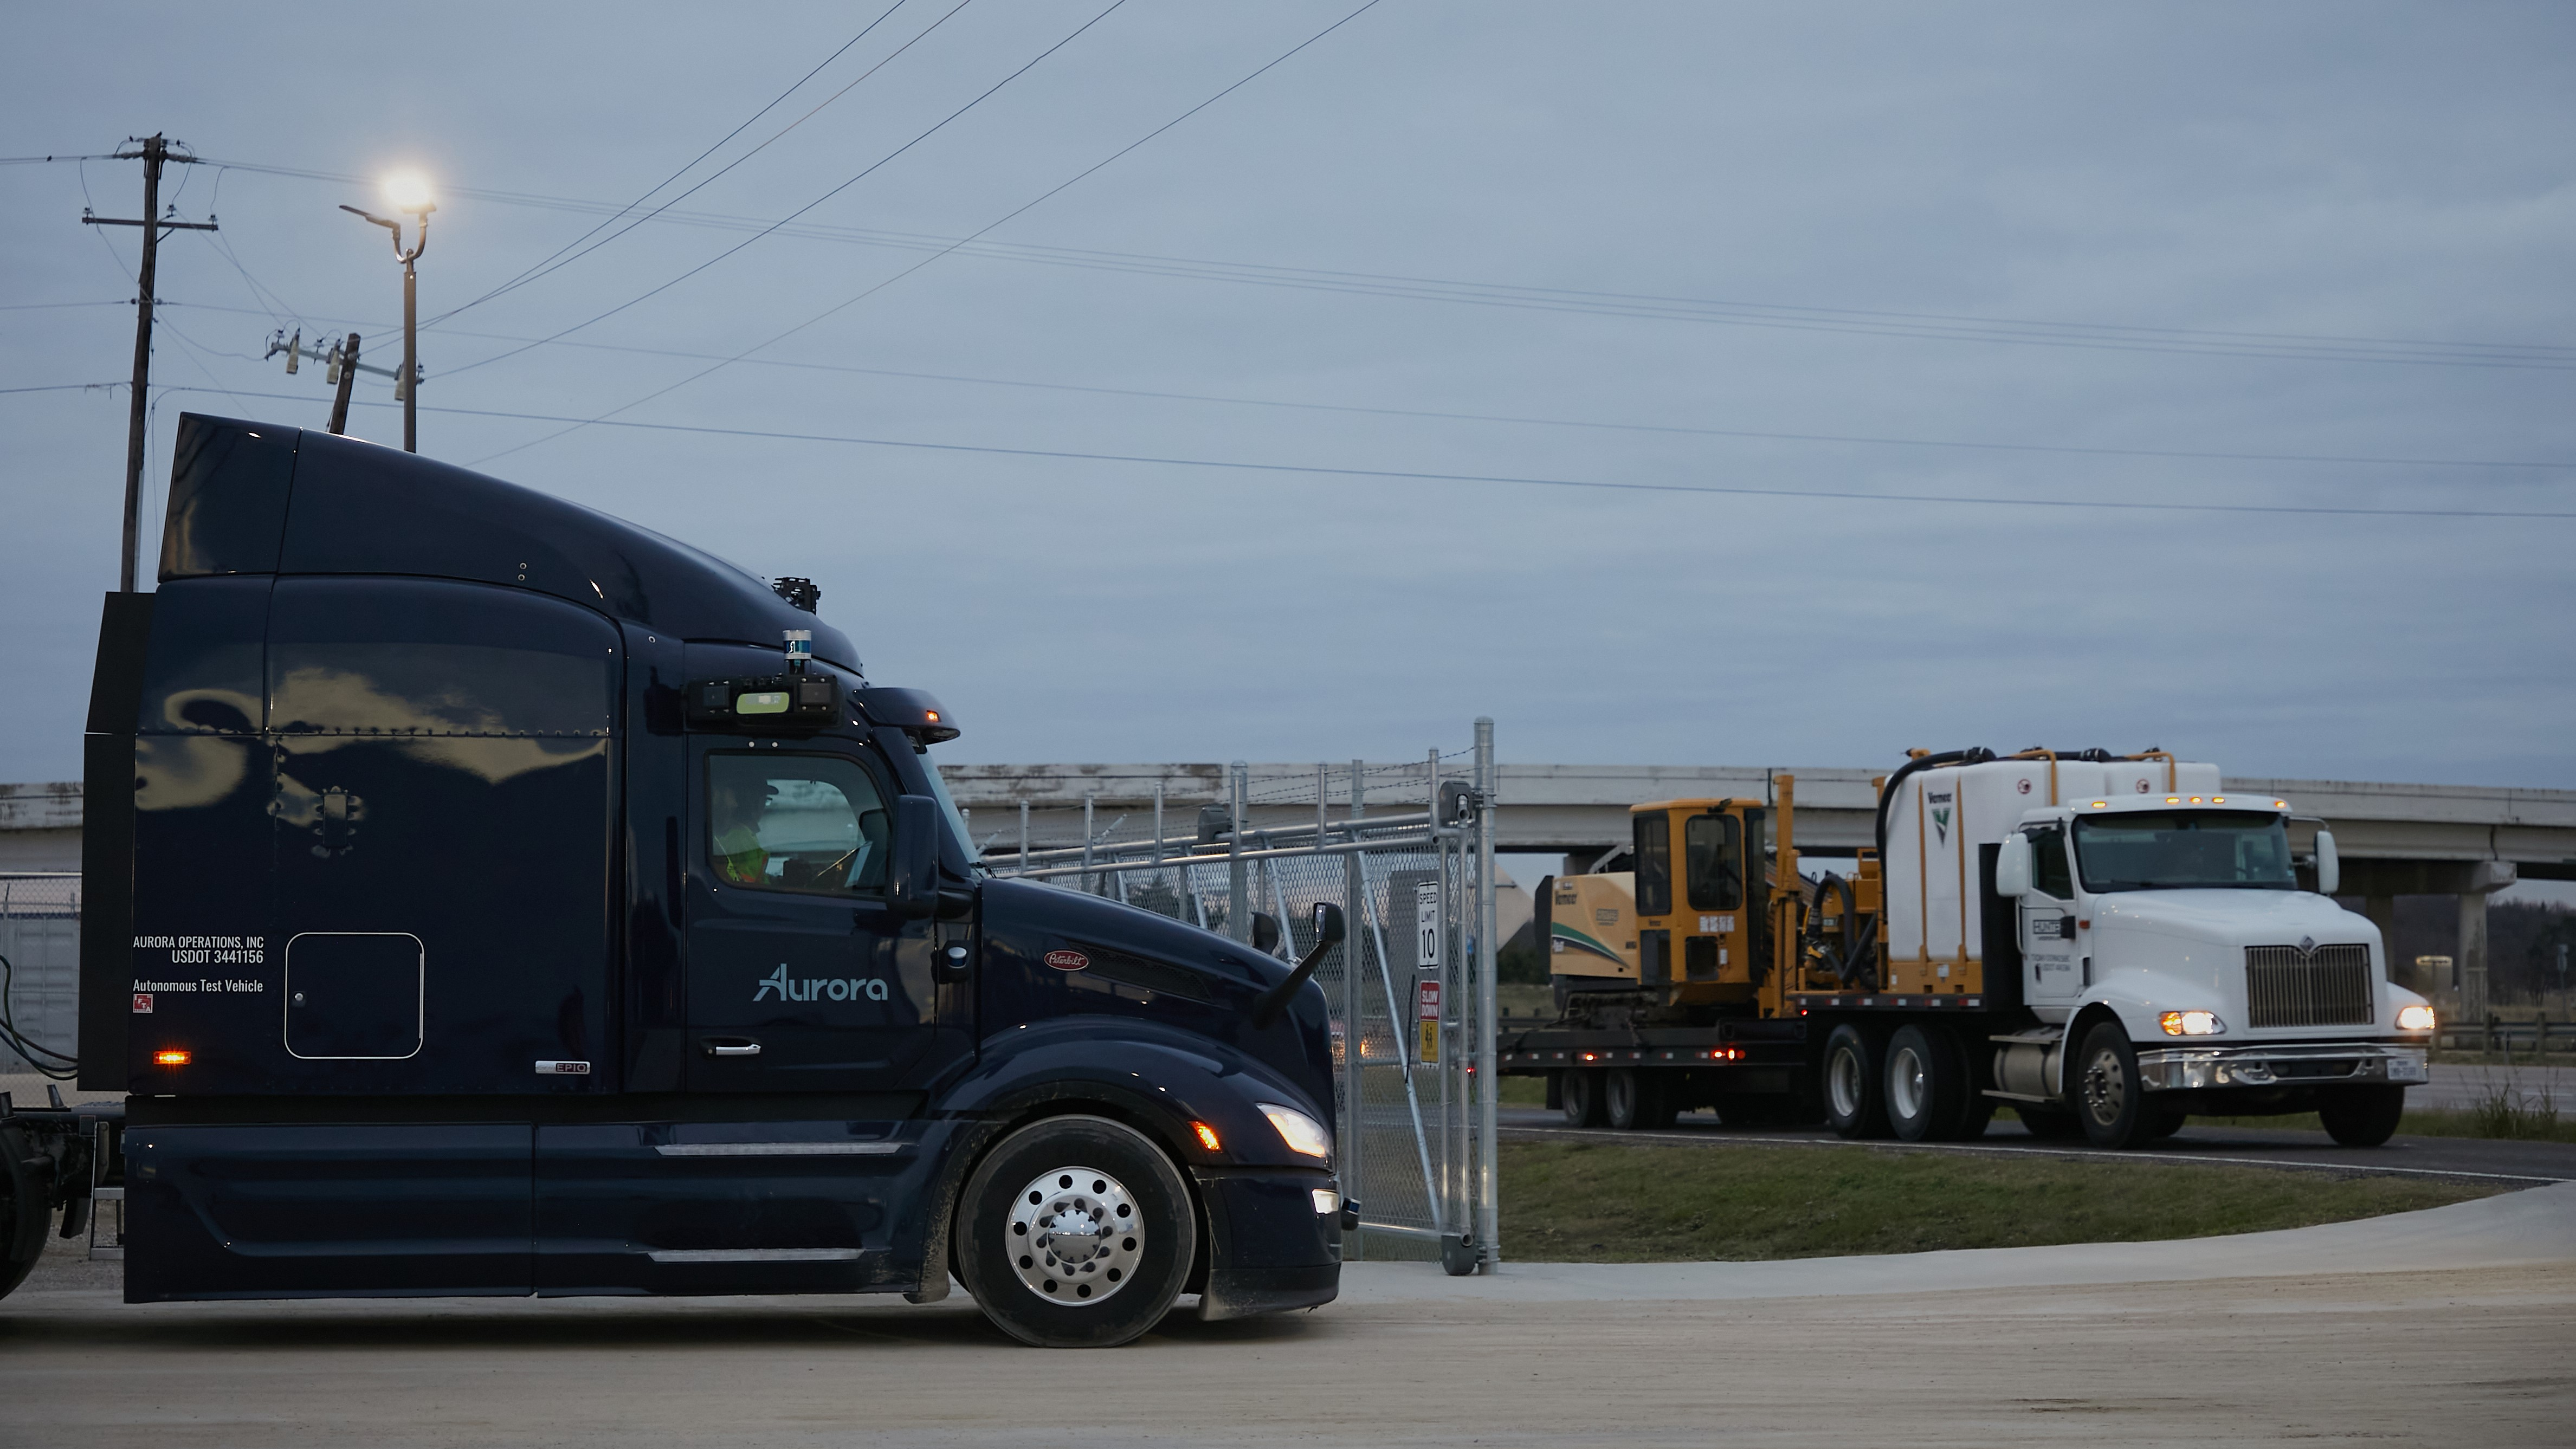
x=492 y=897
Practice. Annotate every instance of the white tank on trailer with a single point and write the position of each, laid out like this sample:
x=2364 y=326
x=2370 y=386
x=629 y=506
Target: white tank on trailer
x=1937 y=819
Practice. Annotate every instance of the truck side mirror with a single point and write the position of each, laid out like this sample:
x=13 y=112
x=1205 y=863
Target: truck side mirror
x=912 y=885
x=2329 y=869
x=2012 y=867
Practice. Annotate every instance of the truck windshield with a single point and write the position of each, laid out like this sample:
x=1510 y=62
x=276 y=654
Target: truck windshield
x=2183 y=850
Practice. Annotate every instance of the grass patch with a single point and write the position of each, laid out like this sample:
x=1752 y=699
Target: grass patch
x=1586 y=1203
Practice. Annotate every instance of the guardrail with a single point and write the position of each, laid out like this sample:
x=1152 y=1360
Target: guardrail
x=2495 y=1034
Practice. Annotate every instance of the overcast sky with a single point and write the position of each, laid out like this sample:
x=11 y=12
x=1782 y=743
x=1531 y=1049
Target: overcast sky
x=2036 y=251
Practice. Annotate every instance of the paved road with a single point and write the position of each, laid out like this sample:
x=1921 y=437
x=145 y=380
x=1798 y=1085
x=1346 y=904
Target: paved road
x=2457 y=1088
x=2465 y=1335
x=2463 y=1157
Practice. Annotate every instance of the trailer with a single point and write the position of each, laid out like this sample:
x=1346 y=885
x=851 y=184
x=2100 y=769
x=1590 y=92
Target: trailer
x=2107 y=943
x=487 y=896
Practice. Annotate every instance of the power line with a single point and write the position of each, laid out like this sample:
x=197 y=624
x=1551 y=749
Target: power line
x=1936 y=326
x=817 y=201
x=552 y=264
x=1595 y=424
x=1420 y=475
x=1051 y=192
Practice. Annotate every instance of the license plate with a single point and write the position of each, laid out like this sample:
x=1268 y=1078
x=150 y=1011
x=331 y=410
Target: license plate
x=2405 y=1069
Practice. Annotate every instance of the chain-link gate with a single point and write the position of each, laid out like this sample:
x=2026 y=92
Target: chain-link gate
x=1411 y=985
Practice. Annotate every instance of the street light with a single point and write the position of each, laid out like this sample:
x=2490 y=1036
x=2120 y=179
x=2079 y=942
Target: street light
x=407 y=191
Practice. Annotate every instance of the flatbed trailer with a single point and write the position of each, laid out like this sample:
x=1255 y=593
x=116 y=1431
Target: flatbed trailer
x=2106 y=943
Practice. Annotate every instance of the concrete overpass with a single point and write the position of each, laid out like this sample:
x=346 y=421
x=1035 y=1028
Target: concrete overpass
x=2395 y=839
x=2464 y=841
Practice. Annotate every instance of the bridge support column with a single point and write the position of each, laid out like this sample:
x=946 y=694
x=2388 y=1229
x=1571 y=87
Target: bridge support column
x=2486 y=877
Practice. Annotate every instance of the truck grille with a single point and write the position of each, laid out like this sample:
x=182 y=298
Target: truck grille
x=2330 y=986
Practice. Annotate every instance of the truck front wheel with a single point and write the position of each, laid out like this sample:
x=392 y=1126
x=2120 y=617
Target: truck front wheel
x=2109 y=1100
x=1075 y=1232
x=1854 y=1104
x=2362 y=1116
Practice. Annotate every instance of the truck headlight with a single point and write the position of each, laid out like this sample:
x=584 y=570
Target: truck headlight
x=1302 y=1133
x=2418 y=1017
x=2191 y=1023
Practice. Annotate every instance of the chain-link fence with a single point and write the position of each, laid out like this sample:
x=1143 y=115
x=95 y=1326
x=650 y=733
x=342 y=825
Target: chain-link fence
x=1411 y=984
x=39 y=971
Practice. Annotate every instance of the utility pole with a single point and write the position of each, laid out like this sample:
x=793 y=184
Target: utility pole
x=155 y=151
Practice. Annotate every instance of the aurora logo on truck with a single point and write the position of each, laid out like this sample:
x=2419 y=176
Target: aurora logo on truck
x=814 y=988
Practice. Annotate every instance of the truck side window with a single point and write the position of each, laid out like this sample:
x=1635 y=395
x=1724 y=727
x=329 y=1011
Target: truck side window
x=1654 y=864
x=795 y=823
x=1713 y=862
x=2048 y=868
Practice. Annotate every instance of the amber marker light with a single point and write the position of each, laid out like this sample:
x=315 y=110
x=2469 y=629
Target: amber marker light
x=1207 y=1136
x=170 y=1057
x=2173 y=799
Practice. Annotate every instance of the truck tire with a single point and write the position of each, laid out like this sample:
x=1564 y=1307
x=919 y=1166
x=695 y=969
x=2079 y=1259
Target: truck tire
x=25 y=1215
x=1075 y=1232
x=1925 y=1083
x=2046 y=1123
x=2109 y=1100
x=1581 y=1096
x=1854 y=1103
x=2362 y=1116
x=1638 y=1101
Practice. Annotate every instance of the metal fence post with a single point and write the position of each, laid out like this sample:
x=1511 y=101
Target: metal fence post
x=1089 y=798
x=1024 y=834
x=1354 y=1019
x=1238 y=914
x=1488 y=1129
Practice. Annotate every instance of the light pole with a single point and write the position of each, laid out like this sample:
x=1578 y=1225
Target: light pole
x=409 y=192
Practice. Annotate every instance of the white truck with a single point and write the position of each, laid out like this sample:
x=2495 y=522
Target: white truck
x=2109 y=944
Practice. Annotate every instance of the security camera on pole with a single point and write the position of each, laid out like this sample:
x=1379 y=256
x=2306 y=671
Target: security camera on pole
x=409 y=192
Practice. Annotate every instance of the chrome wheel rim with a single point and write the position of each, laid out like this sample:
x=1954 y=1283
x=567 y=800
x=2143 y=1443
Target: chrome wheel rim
x=1905 y=1087
x=2106 y=1088
x=1074 y=1236
x=1843 y=1081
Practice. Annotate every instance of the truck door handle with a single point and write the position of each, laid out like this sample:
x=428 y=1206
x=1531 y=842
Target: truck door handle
x=733 y=1048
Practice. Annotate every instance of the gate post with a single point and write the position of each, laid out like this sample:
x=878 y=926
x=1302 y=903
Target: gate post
x=1238 y=900
x=1488 y=1086
x=1354 y=1018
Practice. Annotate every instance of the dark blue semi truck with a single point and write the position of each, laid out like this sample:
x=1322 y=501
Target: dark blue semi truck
x=486 y=896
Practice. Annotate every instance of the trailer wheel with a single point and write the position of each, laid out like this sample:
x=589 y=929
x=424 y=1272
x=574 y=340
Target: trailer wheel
x=1854 y=1102
x=1639 y=1101
x=24 y=1212
x=1581 y=1096
x=2362 y=1116
x=1075 y=1232
x=2109 y=1099
x=1925 y=1079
